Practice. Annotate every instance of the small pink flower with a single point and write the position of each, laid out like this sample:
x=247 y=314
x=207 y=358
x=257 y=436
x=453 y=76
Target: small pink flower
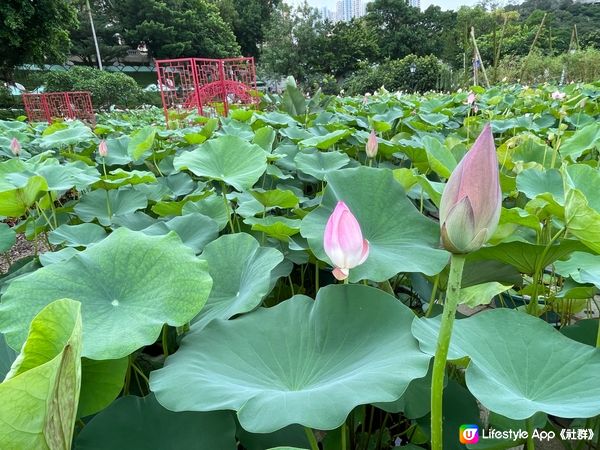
x=557 y=95
x=15 y=147
x=103 y=149
x=472 y=199
x=343 y=241
x=471 y=98
x=372 y=145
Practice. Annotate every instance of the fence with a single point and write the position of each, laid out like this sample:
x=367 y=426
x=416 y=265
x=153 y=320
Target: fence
x=209 y=86
x=65 y=105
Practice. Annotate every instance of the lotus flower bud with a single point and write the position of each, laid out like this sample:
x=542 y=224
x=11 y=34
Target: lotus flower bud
x=471 y=98
x=343 y=241
x=472 y=198
x=372 y=145
x=103 y=149
x=556 y=95
x=15 y=147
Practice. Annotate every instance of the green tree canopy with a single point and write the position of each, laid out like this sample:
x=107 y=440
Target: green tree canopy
x=177 y=28
x=248 y=20
x=34 y=32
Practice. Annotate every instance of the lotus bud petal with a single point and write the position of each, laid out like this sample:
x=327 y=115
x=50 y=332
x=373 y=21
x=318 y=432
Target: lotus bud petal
x=343 y=241
x=557 y=95
x=103 y=149
x=472 y=199
x=372 y=145
x=471 y=98
x=15 y=147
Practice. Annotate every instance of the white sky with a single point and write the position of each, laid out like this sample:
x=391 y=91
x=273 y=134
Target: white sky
x=445 y=4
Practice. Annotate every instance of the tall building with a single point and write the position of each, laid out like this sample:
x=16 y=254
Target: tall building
x=414 y=3
x=346 y=10
x=326 y=14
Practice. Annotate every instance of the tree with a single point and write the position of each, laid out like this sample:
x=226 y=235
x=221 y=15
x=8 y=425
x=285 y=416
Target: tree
x=248 y=20
x=34 y=32
x=177 y=28
x=108 y=31
x=294 y=42
x=396 y=25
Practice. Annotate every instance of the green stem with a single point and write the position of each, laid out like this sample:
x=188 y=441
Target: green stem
x=457 y=263
x=316 y=277
x=165 y=340
x=344 y=430
x=370 y=162
x=598 y=335
x=224 y=192
x=433 y=295
x=311 y=438
x=530 y=443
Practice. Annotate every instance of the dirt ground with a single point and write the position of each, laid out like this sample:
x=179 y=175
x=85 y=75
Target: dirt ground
x=21 y=249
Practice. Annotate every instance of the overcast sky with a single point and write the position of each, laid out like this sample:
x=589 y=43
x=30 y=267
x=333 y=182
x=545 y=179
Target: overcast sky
x=445 y=4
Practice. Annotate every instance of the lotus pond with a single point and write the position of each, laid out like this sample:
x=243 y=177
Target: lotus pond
x=181 y=296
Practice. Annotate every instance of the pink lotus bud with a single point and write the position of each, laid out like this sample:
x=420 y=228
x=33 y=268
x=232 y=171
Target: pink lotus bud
x=103 y=149
x=15 y=147
x=556 y=95
x=343 y=241
x=471 y=98
x=372 y=145
x=472 y=198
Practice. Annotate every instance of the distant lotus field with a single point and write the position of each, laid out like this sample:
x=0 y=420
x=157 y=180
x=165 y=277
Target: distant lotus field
x=332 y=273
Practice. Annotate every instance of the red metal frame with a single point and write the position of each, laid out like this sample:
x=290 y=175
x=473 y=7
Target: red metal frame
x=203 y=84
x=65 y=105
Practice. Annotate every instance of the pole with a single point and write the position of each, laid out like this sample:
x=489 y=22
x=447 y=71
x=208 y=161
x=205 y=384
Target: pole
x=98 y=58
x=478 y=55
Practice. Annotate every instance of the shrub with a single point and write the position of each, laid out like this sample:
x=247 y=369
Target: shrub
x=107 y=88
x=538 y=68
x=396 y=75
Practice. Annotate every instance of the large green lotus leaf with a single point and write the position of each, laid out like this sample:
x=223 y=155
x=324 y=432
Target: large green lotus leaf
x=195 y=230
x=8 y=237
x=527 y=257
x=212 y=206
x=581 y=140
x=400 y=239
x=80 y=235
x=534 y=182
x=40 y=393
x=318 y=164
x=19 y=188
x=141 y=142
x=62 y=177
x=7 y=357
x=117 y=152
x=101 y=383
x=237 y=288
x=280 y=228
x=122 y=201
x=441 y=159
x=276 y=197
x=129 y=285
x=119 y=177
x=482 y=294
x=520 y=364
x=302 y=361
x=325 y=141
x=581 y=267
x=582 y=221
x=136 y=423
x=226 y=158
x=587 y=180
x=73 y=135
x=265 y=137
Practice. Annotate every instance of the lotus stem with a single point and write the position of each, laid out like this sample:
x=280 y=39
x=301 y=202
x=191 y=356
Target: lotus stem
x=530 y=442
x=457 y=262
x=311 y=438
x=224 y=193
x=344 y=428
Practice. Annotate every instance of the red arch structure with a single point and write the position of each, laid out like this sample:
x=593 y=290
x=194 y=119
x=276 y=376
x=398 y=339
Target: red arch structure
x=65 y=105
x=209 y=86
